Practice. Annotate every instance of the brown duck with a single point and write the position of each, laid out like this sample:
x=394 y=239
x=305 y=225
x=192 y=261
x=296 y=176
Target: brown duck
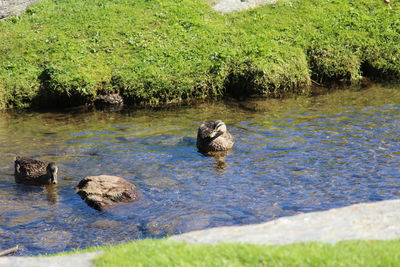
x=35 y=172
x=214 y=136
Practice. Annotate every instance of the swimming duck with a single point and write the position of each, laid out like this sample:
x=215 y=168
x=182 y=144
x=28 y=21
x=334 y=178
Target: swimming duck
x=30 y=171
x=214 y=136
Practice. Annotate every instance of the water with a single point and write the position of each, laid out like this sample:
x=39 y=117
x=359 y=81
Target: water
x=291 y=156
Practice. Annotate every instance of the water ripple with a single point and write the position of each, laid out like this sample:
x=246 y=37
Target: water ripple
x=290 y=156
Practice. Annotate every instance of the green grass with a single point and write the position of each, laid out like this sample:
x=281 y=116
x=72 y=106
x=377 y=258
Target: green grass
x=167 y=253
x=65 y=52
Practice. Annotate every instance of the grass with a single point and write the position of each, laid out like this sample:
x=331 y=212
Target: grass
x=65 y=52
x=168 y=253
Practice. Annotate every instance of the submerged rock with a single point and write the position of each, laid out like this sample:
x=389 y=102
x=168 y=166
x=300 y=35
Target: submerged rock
x=105 y=191
x=52 y=240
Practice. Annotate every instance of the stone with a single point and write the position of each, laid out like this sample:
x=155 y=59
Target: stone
x=368 y=221
x=106 y=191
x=76 y=260
x=229 y=6
x=52 y=240
x=110 y=102
x=14 y=7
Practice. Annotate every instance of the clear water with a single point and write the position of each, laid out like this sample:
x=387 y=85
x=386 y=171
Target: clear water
x=295 y=155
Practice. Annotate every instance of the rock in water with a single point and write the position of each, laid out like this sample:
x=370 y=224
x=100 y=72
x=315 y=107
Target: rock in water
x=105 y=191
x=110 y=103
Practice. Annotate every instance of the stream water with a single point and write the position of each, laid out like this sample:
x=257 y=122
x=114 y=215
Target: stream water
x=290 y=156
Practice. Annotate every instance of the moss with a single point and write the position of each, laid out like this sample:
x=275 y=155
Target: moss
x=154 y=52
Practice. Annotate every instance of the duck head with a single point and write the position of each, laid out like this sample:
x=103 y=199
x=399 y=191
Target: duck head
x=219 y=129
x=52 y=170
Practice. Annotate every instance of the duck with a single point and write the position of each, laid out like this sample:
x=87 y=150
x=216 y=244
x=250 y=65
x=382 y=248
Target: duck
x=213 y=137
x=35 y=172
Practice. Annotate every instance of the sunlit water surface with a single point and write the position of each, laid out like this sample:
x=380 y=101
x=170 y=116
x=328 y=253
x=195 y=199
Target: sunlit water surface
x=290 y=156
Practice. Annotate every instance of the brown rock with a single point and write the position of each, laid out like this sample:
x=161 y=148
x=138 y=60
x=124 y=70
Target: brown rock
x=110 y=102
x=105 y=191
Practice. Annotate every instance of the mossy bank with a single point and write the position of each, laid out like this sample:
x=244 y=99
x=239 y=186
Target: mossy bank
x=166 y=253
x=65 y=53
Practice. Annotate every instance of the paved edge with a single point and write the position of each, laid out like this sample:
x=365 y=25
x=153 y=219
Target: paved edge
x=368 y=221
x=74 y=260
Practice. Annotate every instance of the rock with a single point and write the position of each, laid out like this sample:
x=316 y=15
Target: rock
x=52 y=240
x=14 y=7
x=76 y=260
x=228 y=6
x=368 y=221
x=111 y=102
x=105 y=191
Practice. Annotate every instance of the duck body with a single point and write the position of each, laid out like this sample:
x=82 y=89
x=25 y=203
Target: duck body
x=34 y=172
x=213 y=136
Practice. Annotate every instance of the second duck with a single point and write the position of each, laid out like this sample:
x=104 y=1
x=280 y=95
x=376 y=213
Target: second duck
x=214 y=136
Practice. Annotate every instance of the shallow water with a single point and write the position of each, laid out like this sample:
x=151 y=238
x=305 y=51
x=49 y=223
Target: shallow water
x=295 y=155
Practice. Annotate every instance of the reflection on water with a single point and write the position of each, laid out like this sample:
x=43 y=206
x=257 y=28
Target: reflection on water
x=295 y=155
x=52 y=194
x=219 y=156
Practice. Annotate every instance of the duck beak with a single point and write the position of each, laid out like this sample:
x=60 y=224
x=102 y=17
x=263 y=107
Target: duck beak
x=213 y=133
x=54 y=178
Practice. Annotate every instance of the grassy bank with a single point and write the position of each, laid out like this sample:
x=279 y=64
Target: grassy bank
x=65 y=52
x=167 y=253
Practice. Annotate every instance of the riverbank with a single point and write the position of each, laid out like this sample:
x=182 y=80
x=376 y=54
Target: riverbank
x=345 y=236
x=65 y=53
x=367 y=221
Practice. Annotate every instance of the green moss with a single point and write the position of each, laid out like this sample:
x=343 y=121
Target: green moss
x=66 y=52
x=167 y=253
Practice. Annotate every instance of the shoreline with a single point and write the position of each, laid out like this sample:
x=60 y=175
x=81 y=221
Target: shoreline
x=159 y=58
x=363 y=221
